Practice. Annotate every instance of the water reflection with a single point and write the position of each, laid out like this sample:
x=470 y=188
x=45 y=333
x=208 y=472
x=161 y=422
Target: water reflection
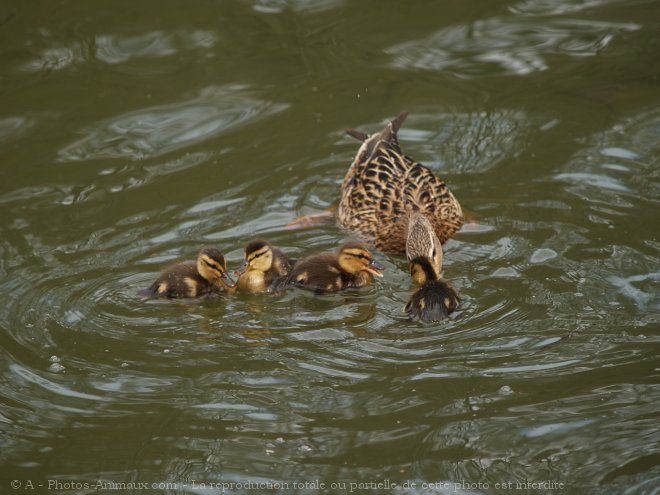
x=116 y=49
x=546 y=372
x=619 y=164
x=11 y=128
x=56 y=58
x=279 y=6
x=558 y=7
x=468 y=142
x=158 y=130
x=506 y=45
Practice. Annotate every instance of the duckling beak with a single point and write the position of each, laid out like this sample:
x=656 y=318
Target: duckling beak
x=375 y=268
x=227 y=281
x=241 y=271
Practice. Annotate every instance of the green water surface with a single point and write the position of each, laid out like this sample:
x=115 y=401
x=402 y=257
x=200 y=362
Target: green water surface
x=134 y=133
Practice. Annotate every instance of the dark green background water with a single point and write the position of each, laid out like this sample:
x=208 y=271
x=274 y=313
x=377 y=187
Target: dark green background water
x=134 y=133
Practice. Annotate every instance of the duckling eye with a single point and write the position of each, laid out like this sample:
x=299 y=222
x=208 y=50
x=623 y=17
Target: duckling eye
x=213 y=266
x=250 y=260
x=434 y=252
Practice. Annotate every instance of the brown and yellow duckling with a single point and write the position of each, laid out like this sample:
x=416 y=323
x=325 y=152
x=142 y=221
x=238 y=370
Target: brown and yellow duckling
x=264 y=269
x=383 y=187
x=436 y=298
x=208 y=275
x=351 y=267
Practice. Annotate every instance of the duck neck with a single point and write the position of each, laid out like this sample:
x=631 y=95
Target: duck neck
x=252 y=281
x=422 y=271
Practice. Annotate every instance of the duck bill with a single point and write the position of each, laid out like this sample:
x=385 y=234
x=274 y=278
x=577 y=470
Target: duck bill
x=227 y=281
x=241 y=270
x=375 y=268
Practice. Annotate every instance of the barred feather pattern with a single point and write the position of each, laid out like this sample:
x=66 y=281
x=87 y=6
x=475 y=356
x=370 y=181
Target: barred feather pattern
x=383 y=186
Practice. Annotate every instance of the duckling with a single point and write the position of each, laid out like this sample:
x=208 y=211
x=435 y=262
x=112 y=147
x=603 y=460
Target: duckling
x=203 y=277
x=383 y=186
x=264 y=269
x=436 y=298
x=350 y=268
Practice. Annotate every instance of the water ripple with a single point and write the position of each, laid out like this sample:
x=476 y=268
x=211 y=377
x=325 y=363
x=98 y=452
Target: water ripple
x=516 y=46
x=554 y=7
x=622 y=159
x=278 y=6
x=11 y=128
x=158 y=130
x=547 y=371
x=467 y=142
x=114 y=49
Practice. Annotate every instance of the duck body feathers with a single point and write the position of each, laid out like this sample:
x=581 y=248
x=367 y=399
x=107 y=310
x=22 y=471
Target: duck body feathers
x=383 y=187
x=181 y=280
x=270 y=280
x=433 y=301
x=323 y=273
x=351 y=267
x=264 y=268
x=198 y=278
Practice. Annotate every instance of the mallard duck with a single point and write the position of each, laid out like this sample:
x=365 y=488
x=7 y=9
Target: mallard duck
x=203 y=277
x=383 y=186
x=351 y=267
x=264 y=267
x=436 y=298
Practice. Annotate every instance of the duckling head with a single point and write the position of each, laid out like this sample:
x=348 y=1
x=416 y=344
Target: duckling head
x=258 y=256
x=423 y=250
x=212 y=266
x=354 y=258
